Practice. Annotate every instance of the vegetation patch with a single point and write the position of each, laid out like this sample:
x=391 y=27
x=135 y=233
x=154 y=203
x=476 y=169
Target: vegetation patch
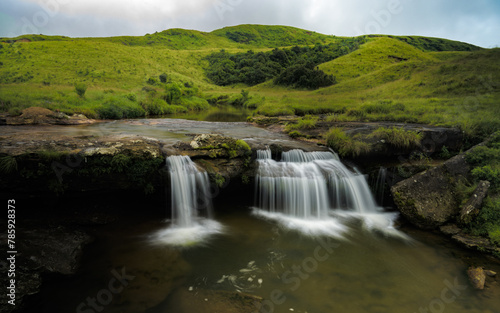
x=485 y=162
x=290 y=67
x=345 y=145
x=306 y=122
x=398 y=137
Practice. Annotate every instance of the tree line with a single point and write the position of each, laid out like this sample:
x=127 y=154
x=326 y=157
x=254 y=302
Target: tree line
x=295 y=67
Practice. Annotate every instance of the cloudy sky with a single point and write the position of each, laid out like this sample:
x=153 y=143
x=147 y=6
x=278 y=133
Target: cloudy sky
x=473 y=21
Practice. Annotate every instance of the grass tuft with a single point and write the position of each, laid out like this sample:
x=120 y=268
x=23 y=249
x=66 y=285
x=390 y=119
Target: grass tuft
x=345 y=145
x=399 y=137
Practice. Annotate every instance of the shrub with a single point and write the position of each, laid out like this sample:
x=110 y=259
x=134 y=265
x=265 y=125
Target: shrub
x=80 y=89
x=155 y=106
x=304 y=76
x=194 y=103
x=152 y=81
x=149 y=90
x=172 y=93
x=163 y=78
x=117 y=108
x=489 y=173
x=132 y=97
x=482 y=155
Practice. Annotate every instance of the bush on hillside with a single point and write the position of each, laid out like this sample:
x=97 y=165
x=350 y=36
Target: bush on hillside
x=80 y=89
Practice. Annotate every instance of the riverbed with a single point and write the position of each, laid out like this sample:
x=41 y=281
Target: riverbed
x=278 y=268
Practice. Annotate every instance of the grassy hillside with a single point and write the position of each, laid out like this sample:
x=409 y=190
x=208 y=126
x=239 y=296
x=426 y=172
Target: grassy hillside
x=395 y=78
x=272 y=36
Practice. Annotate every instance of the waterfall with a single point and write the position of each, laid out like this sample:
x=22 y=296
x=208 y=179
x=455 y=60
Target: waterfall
x=189 y=191
x=379 y=186
x=191 y=206
x=309 y=184
x=312 y=189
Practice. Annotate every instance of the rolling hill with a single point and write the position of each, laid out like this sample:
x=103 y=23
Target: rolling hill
x=428 y=80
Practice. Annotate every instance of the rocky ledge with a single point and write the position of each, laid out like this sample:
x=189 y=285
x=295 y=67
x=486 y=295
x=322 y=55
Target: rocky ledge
x=433 y=138
x=42 y=116
x=430 y=200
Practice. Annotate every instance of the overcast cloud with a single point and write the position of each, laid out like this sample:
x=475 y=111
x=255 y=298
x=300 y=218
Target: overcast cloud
x=476 y=22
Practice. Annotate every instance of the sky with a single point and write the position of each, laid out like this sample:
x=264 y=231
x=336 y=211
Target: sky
x=472 y=21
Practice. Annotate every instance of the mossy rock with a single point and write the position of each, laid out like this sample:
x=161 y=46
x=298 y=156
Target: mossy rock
x=218 y=146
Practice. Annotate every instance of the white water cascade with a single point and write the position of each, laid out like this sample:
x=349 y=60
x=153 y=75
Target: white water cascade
x=191 y=205
x=190 y=191
x=315 y=193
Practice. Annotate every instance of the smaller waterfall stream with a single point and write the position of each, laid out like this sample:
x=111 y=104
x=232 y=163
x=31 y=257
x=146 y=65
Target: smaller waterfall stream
x=189 y=191
x=379 y=185
x=316 y=193
x=191 y=205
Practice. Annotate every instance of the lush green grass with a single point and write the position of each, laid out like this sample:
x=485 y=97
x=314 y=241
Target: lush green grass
x=272 y=36
x=435 y=44
x=457 y=89
x=306 y=122
x=390 y=78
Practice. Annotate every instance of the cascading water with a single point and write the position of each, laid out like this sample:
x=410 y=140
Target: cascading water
x=379 y=186
x=191 y=205
x=312 y=188
x=189 y=191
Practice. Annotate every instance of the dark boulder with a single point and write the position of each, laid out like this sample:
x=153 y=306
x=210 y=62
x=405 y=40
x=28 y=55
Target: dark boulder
x=428 y=199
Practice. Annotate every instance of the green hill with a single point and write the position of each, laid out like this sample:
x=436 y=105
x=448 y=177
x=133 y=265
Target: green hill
x=395 y=78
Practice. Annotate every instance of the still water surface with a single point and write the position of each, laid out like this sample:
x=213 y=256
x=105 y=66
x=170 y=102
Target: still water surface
x=365 y=272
